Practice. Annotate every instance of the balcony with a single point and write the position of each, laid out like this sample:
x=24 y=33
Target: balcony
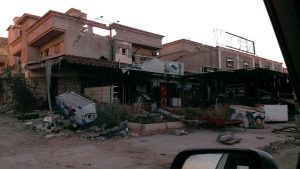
x=46 y=30
x=47 y=36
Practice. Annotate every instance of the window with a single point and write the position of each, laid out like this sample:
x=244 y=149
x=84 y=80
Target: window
x=124 y=51
x=46 y=52
x=256 y=65
x=41 y=54
x=267 y=67
x=246 y=65
x=230 y=62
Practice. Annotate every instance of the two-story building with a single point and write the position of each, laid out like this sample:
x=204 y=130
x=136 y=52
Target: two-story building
x=198 y=57
x=68 y=52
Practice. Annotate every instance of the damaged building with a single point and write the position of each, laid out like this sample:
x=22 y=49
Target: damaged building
x=198 y=57
x=61 y=52
x=107 y=63
x=213 y=74
x=3 y=52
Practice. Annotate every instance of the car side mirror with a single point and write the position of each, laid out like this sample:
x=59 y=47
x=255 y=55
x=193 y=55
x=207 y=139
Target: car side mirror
x=223 y=159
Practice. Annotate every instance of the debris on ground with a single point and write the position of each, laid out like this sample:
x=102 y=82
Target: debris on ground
x=118 y=131
x=166 y=113
x=6 y=108
x=228 y=138
x=50 y=136
x=28 y=116
x=288 y=129
x=180 y=132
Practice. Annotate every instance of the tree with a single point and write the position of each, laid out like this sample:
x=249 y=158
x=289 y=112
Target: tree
x=22 y=96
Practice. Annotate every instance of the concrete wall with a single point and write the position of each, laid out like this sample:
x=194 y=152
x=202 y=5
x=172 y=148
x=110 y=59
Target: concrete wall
x=3 y=51
x=18 y=42
x=239 y=59
x=68 y=84
x=136 y=36
x=137 y=50
x=196 y=55
x=38 y=85
x=87 y=43
x=193 y=55
x=119 y=56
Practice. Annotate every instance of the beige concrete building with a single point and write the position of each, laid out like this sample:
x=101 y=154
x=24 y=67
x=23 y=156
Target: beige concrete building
x=198 y=57
x=78 y=46
x=3 y=52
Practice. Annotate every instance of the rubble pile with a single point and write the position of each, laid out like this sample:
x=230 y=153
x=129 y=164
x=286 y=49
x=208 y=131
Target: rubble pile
x=58 y=125
x=7 y=108
x=102 y=134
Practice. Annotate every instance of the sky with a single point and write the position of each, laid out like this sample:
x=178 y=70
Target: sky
x=175 y=19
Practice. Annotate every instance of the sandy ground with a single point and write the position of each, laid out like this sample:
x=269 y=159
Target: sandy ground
x=23 y=148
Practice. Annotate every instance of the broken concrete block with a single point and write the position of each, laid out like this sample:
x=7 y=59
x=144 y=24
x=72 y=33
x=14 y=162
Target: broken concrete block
x=50 y=136
x=48 y=119
x=224 y=137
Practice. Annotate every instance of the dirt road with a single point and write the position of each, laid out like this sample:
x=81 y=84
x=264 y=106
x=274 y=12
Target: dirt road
x=23 y=148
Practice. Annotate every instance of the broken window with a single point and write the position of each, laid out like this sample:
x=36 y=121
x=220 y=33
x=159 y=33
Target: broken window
x=246 y=65
x=230 y=62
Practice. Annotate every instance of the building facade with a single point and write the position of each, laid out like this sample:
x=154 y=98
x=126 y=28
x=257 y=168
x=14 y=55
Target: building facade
x=3 y=52
x=68 y=52
x=198 y=57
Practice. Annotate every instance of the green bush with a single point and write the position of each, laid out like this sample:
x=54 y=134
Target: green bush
x=22 y=96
